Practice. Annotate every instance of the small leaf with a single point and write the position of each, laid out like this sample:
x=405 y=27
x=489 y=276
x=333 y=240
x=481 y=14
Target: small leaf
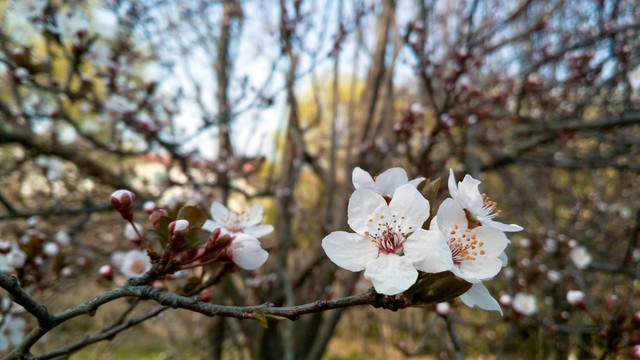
x=276 y=317
x=193 y=215
x=163 y=231
x=260 y=317
x=436 y=288
x=430 y=192
x=195 y=238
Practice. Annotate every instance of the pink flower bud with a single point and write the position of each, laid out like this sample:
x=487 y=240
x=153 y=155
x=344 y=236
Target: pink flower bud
x=205 y=295
x=156 y=217
x=635 y=352
x=178 y=232
x=636 y=318
x=149 y=206
x=576 y=298
x=106 y=271
x=122 y=201
x=159 y=284
x=5 y=246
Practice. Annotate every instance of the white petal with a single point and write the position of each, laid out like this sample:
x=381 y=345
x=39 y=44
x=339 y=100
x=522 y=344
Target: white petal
x=504 y=259
x=417 y=181
x=362 y=180
x=499 y=226
x=494 y=241
x=247 y=253
x=390 y=180
x=218 y=212
x=479 y=296
x=348 y=250
x=469 y=193
x=410 y=207
x=429 y=251
x=391 y=274
x=483 y=268
x=211 y=225
x=254 y=215
x=365 y=205
x=453 y=188
x=451 y=214
x=259 y=230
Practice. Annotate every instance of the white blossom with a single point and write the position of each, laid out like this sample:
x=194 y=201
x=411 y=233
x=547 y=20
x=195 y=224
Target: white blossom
x=246 y=252
x=133 y=263
x=384 y=184
x=478 y=205
x=233 y=223
x=12 y=331
x=130 y=233
x=525 y=304
x=580 y=257
x=575 y=297
x=388 y=243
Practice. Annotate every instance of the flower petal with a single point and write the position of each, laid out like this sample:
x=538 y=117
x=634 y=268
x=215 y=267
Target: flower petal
x=453 y=188
x=348 y=250
x=410 y=207
x=259 y=231
x=254 y=216
x=415 y=182
x=219 y=212
x=211 y=225
x=364 y=210
x=479 y=296
x=362 y=180
x=428 y=251
x=247 y=253
x=390 y=180
x=391 y=274
x=483 y=268
x=499 y=226
x=451 y=214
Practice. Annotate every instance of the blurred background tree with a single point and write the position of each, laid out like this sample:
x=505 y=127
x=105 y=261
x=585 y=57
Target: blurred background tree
x=275 y=102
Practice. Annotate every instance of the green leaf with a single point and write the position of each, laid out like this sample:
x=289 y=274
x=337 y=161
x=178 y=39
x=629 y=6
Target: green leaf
x=436 y=288
x=430 y=192
x=193 y=215
x=163 y=231
x=260 y=317
x=196 y=238
x=276 y=317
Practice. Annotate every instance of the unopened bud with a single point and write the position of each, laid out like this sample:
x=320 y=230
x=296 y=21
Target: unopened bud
x=636 y=318
x=159 y=284
x=156 y=217
x=122 y=201
x=149 y=206
x=5 y=246
x=217 y=241
x=178 y=232
x=635 y=352
x=576 y=298
x=205 y=295
x=106 y=271
x=443 y=308
x=66 y=272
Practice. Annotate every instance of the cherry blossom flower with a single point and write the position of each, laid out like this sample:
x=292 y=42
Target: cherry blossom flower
x=133 y=263
x=475 y=254
x=384 y=184
x=389 y=243
x=12 y=331
x=478 y=206
x=525 y=304
x=12 y=260
x=246 y=252
x=576 y=298
x=230 y=222
x=580 y=257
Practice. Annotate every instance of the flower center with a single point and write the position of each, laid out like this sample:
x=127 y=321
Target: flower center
x=388 y=237
x=464 y=245
x=138 y=266
x=235 y=222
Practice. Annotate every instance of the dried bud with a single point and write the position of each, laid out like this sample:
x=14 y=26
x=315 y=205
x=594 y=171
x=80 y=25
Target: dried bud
x=576 y=298
x=106 y=271
x=178 y=232
x=122 y=201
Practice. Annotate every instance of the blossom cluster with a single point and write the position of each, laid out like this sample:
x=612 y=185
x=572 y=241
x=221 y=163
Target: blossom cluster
x=394 y=242
x=188 y=241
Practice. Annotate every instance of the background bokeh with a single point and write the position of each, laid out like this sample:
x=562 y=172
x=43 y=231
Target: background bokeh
x=274 y=103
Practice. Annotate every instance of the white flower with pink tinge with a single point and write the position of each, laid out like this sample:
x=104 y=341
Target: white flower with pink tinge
x=246 y=252
x=133 y=263
x=473 y=254
x=230 y=222
x=475 y=204
x=389 y=243
x=384 y=184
